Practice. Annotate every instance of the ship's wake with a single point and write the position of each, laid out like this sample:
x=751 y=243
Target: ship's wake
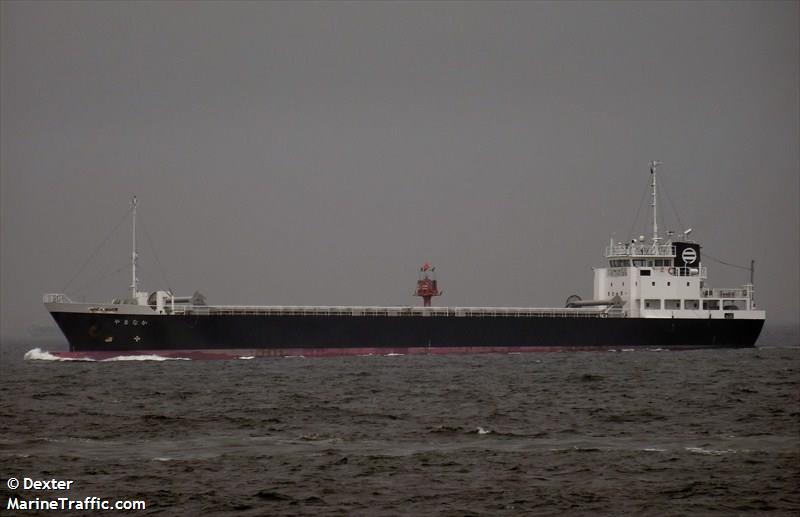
x=145 y=357
x=37 y=354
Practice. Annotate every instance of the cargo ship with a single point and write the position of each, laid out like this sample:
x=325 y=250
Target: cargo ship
x=650 y=294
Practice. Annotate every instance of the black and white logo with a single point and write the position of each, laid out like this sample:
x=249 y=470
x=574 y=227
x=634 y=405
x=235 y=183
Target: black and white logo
x=689 y=256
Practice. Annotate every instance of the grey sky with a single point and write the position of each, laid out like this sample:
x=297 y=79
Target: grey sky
x=319 y=153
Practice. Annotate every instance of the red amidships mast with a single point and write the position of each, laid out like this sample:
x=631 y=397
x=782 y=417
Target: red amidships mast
x=426 y=284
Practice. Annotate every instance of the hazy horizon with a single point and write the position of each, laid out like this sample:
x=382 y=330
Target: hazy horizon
x=318 y=153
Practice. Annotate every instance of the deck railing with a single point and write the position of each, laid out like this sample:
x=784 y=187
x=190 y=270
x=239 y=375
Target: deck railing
x=201 y=310
x=640 y=249
x=56 y=298
x=726 y=293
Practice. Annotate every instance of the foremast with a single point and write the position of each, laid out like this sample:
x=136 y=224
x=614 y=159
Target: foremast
x=134 y=254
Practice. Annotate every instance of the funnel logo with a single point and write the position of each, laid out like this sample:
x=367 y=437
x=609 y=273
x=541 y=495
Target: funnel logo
x=689 y=256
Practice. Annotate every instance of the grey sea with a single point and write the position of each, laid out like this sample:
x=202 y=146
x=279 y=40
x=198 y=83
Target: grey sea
x=639 y=432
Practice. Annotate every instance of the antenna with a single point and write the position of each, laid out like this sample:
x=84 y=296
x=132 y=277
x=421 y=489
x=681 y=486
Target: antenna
x=653 y=165
x=134 y=255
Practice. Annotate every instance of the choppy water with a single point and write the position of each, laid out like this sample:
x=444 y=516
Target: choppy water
x=651 y=433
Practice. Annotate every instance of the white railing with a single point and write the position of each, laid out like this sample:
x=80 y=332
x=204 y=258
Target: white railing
x=701 y=272
x=640 y=249
x=394 y=311
x=203 y=310
x=56 y=298
x=726 y=293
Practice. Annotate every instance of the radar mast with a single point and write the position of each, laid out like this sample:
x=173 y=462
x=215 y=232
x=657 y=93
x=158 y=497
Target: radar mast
x=653 y=166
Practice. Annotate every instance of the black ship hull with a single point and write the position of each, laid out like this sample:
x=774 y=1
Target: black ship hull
x=320 y=335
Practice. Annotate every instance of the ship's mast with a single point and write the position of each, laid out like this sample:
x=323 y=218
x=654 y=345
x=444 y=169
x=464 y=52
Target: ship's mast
x=426 y=285
x=134 y=255
x=653 y=165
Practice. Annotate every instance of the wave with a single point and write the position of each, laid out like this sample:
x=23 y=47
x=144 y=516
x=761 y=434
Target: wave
x=709 y=452
x=144 y=357
x=37 y=354
x=459 y=430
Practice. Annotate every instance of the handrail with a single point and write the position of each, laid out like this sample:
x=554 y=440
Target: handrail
x=56 y=298
x=621 y=249
x=726 y=293
x=206 y=310
x=701 y=272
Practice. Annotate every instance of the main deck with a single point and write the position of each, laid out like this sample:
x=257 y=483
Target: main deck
x=60 y=303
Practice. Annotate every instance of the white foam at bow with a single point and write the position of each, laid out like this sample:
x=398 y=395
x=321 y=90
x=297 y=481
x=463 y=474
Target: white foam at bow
x=37 y=354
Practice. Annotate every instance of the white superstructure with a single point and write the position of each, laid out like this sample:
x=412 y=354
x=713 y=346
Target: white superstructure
x=665 y=278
